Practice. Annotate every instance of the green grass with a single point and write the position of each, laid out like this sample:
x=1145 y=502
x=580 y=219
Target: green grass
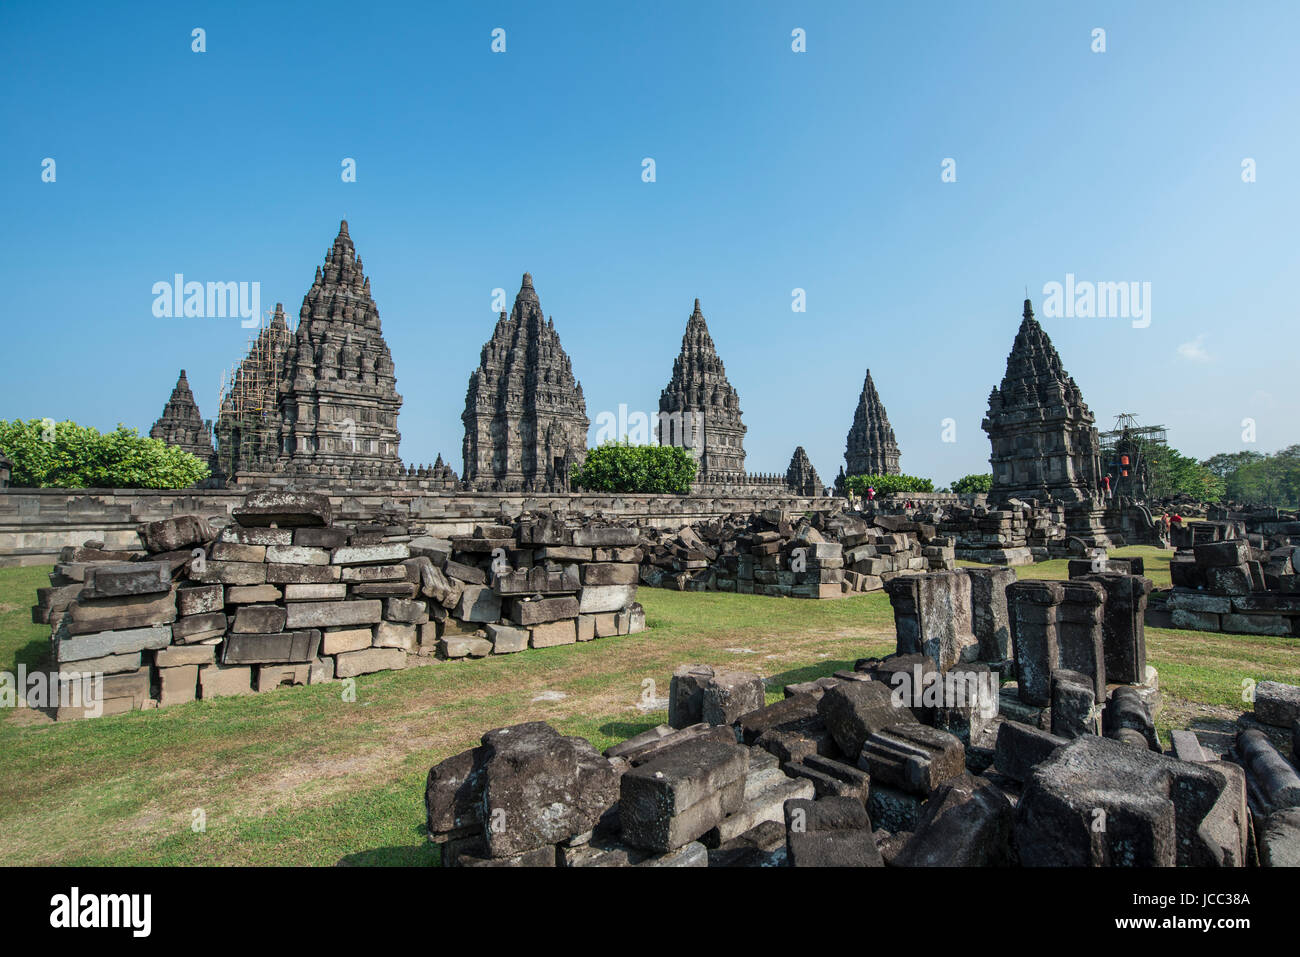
x=300 y=776
x=1155 y=565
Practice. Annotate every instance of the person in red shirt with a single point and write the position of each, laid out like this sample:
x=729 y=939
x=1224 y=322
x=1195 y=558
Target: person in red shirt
x=1106 y=482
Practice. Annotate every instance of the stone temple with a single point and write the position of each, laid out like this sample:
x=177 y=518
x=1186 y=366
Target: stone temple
x=338 y=397
x=525 y=415
x=182 y=425
x=800 y=476
x=871 y=448
x=320 y=400
x=700 y=392
x=1045 y=444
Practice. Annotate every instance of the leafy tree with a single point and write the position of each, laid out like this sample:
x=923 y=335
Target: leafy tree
x=1225 y=463
x=614 y=467
x=1258 y=477
x=968 y=484
x=67 y=455
x=885 y=484
x=1173 y=474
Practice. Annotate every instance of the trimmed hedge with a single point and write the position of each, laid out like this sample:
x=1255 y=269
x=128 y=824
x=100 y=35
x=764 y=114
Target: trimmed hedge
x=614 y=467
x=884 y=484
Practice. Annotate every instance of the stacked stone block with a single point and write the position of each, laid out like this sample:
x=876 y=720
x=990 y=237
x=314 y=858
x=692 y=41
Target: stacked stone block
x=1231 y=585
x=284 y=596
x=778 y=554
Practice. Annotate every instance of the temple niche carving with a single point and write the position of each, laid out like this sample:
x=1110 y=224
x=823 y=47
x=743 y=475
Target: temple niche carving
x=1044 y=439
x=525 y=415
x=700 y=409
x=871 y=448
x=182 y=424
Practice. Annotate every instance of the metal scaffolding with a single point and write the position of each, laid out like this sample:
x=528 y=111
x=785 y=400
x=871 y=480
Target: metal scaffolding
x=248 y=427
x=1125 y=453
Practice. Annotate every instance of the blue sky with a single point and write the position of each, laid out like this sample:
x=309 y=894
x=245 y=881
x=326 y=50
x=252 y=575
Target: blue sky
x=775 y=170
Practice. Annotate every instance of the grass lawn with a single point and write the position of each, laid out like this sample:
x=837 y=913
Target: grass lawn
x=300 y=776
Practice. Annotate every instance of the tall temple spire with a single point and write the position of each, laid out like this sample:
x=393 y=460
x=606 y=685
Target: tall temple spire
x=338 y=400
x=525 y=415
x=1044 y=442
x=182 y=424
x=700 y=408
x=871 y=448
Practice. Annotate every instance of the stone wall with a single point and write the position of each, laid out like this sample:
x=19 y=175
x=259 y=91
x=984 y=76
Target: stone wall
x=35 y=524
x=284 y=595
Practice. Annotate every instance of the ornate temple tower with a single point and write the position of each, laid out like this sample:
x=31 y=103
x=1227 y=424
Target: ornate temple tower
x=699 y=388
x=525 y=415
x=338 y=400
x=801 y=477
x=182 y=425
x=871 y=448
x=1044 y=440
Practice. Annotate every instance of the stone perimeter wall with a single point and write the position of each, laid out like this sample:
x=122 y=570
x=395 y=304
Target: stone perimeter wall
x=35 y=524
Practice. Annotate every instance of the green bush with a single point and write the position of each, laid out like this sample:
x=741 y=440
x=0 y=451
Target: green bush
x=884 y=484
x=612 y=467
x=969 y=484
x=67 y=455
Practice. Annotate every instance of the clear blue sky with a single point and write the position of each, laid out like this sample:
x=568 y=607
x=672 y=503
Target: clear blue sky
x=775 y=170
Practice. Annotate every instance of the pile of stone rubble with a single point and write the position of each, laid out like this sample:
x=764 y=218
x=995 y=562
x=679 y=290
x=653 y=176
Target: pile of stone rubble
x=283 y=596
x=1013 y=533
x=1228 y=579
x=781 y=554
x=917 y=759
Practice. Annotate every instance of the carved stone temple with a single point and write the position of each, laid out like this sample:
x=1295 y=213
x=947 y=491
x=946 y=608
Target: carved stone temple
x=321 y=400
x=699 y=392
x=525 y=415
x=871 y=448
x=801 y=477
x=338 y=397
x=1045 y=444
x=182 y=425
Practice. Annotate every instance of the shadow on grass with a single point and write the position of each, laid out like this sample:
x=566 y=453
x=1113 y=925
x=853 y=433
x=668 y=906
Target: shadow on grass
x=425 y=855
x=622 y=730
x=808 y=673
x=34 y=655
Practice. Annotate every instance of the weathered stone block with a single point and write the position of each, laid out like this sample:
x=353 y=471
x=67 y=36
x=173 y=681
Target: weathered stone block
x=217 y=681
x=323 y=614
x=507 y=640
x=259 y=619
x=128 y=578
x=283 y=509
x=599 y=598
x=283 y=648
x=912 y=757
x=353 y=663
x=542 y=610
x=478 y=603
x=553 y=633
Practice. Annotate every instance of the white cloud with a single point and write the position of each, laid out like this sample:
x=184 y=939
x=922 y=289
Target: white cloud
x=1194 y=351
